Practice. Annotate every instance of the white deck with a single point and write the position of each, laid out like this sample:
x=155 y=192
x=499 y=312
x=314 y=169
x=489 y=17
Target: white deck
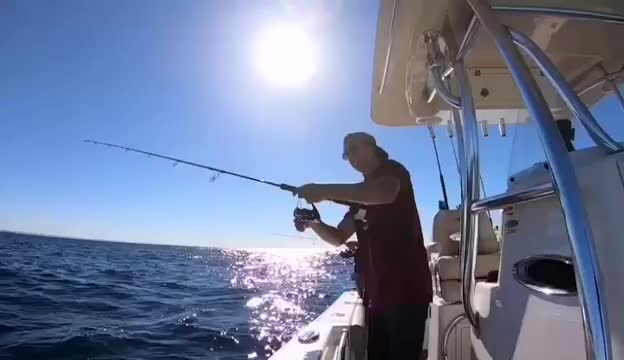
x=346 y=314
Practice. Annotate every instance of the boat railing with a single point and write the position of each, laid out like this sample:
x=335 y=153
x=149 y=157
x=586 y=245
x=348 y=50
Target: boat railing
x=341 y=349
x=572 y=100
x=447 y=335
x=565 y=183
x=513 y=198
x=384 y=75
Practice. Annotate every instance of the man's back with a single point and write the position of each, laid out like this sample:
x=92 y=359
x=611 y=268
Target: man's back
x=397 y=272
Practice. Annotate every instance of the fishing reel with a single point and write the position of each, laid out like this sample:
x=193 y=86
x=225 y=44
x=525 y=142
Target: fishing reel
x=304 y=216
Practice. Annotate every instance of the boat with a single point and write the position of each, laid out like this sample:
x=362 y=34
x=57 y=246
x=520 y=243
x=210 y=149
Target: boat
x=549 y=286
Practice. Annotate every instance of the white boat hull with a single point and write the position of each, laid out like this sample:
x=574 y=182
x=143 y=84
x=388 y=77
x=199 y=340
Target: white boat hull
x=338 y=333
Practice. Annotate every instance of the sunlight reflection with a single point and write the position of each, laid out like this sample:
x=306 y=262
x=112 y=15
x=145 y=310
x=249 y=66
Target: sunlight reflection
x=283 y=279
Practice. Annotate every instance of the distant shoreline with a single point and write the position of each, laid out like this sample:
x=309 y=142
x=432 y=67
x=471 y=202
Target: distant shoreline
x=9 y=233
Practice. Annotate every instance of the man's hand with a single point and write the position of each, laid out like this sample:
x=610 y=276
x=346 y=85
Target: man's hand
x=302 y=225
x=382 y=190
x=313 y=193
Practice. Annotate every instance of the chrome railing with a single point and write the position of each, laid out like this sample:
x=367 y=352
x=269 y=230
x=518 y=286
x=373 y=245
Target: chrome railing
x=469 y=165
x=435 y=63
x=566 y=185
x=441 y=88
x=607 y=78
x=384 y=74
x=470 y=191
x=572 y=100
x=616 y=92
x=468 y=40
x=342 y=345
x=444 y=353
x=559 y=12
x=567 y=93
x=513 y=198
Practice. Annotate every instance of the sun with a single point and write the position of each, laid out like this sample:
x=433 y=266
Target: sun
x=286 y=55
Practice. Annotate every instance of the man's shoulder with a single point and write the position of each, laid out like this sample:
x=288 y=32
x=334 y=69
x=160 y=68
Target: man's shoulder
x=396 y=166
x=394 y=163
x=391 y=168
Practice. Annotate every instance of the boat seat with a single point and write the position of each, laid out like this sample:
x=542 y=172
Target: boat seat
x=450 y=291
x=446 y=266
x=447 y=223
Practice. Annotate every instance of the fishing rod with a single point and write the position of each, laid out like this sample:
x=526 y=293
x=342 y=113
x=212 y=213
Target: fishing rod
x=300 y=214
x=451 y=134
x=286 y=187
x=449 y=128
x=435 y=149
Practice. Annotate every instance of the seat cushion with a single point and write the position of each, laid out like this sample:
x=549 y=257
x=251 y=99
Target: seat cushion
x=488 y=241
x=446 y=224
x=450 y=291
x=432 y=249
x=448 y=266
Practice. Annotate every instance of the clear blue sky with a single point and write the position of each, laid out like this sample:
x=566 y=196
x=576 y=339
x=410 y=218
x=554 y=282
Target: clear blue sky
x=179 y=78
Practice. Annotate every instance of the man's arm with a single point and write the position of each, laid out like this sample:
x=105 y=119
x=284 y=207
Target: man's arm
x=334 y=235
x=382 y=190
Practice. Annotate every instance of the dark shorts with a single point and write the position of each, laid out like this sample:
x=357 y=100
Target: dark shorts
x=397 y=333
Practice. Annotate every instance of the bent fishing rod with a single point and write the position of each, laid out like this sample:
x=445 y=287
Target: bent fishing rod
x=286 y=187
x=300 y=214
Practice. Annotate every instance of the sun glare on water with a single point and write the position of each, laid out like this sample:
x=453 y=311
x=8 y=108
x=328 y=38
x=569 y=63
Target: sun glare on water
x=286 y=55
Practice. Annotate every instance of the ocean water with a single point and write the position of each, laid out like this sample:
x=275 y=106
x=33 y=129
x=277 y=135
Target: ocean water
x=80 y=299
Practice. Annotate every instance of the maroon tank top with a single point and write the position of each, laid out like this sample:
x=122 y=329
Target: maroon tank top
x=392 y=257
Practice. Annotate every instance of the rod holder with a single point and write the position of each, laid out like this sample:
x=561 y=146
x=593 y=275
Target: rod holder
x=449 y=128
x=431 y=131
x=484 y=128
x=502 y=127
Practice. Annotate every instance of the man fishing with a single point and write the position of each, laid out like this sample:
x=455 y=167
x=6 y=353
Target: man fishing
x=394 y=269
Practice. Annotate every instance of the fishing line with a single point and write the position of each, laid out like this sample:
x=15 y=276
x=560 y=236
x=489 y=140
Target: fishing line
x=301 y=215
x=285 y=187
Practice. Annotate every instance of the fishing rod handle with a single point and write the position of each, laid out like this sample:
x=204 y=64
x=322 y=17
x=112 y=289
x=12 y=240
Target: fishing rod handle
x=292 y=189
x=431 y=131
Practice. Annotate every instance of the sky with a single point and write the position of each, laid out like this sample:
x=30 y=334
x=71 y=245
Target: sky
x=185 y=79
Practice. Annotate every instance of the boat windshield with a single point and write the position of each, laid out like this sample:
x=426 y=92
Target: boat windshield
x=527 y=148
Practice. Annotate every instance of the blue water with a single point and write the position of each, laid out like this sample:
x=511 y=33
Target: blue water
x=80 y=299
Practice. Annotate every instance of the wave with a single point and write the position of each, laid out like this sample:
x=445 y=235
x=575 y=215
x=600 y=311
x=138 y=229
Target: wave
x=119 y=274
x=86 y=345
x=72 y=299
x=8 y=274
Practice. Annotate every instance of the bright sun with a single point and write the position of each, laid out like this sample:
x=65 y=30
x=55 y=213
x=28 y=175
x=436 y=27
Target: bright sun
x=286 y=56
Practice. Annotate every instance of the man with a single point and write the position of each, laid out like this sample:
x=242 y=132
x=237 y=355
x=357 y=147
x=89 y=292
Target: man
x=395 y=272
x=352 y=251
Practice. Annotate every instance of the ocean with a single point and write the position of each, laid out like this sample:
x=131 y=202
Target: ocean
x=80 y=299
